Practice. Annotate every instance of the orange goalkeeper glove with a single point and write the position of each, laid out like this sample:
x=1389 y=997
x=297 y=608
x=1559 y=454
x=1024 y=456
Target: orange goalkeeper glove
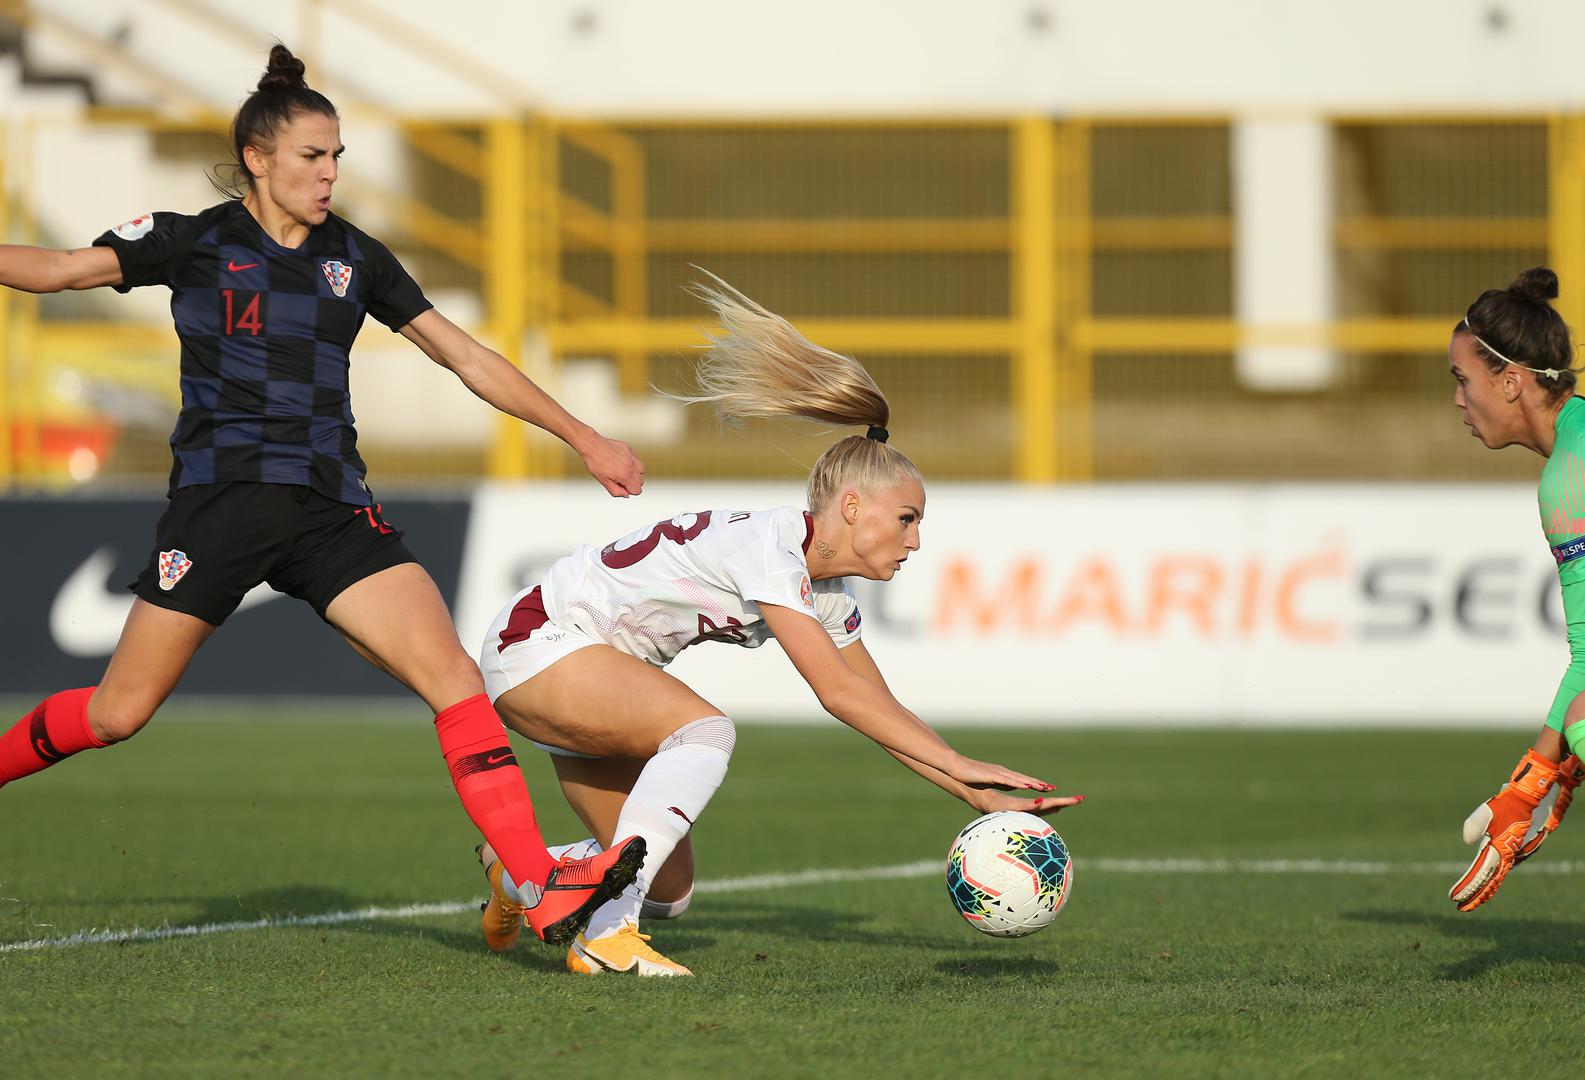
x=1570 y=772
x=1502 y=825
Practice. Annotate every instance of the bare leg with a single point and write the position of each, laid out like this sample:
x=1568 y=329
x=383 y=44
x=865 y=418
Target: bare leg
x=397 y=620
x=602 y=702
x=155 y=648
x=661 y=752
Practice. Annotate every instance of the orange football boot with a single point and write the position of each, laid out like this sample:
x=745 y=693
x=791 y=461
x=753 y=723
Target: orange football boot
x=626 y=950
x=577 y=887
x=502 y=916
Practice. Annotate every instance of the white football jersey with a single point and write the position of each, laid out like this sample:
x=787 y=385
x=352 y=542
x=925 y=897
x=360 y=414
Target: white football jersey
x=698 y=577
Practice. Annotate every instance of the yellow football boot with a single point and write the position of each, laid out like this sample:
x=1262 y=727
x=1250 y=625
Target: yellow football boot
x=502 y=920
x=626 y=951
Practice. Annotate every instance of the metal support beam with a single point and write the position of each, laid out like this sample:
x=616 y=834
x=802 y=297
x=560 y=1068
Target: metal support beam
x=505 y=291
x=1034 y=274
x=1566 y=216
x=1073 y=219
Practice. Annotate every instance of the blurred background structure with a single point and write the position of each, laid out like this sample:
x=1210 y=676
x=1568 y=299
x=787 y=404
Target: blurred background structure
x=1074 y=241
x=1134 y=276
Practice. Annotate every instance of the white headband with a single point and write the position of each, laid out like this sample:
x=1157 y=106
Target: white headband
x=1550 y=373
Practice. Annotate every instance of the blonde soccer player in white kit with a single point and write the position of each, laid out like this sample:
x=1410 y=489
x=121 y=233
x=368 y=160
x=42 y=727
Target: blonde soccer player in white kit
x=576 y=663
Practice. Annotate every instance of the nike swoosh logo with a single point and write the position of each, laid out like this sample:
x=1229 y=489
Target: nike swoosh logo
x=88 y=611
x=233 y=267
x=500 y=759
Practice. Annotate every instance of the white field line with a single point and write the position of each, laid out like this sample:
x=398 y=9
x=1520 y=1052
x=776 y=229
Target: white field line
x=764 y=882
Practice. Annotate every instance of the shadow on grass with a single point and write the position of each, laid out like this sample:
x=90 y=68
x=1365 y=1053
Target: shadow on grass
x=1506 y=941
x=278 y=903
x=771 y=927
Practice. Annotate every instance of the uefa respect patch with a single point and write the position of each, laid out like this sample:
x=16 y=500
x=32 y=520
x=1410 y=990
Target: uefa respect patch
x=137 y=228
x=1569 y=550
x=174 y=565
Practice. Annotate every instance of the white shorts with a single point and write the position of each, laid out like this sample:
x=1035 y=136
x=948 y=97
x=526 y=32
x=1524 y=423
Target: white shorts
x=521 y=643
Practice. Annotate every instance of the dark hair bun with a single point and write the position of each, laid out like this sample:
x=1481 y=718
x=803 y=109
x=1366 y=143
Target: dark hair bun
x=1537 y=284
x=285 y=72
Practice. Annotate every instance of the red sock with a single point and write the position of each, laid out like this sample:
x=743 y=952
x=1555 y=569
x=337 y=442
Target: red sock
x=492 y=788
x=52 y=732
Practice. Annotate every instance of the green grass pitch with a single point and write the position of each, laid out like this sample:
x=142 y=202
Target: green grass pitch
x=1149 y=971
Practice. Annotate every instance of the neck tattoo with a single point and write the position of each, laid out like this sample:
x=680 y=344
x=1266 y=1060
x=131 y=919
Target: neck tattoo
x=826 y=550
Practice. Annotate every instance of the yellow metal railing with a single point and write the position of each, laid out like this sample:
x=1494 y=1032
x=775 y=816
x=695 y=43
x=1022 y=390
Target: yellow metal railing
x=1069 y=299
x=1565 y=224
x=1036 y=378
x=1051 y=334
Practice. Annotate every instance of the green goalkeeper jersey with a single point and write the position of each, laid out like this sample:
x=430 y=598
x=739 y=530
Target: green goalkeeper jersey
x=1561 y=497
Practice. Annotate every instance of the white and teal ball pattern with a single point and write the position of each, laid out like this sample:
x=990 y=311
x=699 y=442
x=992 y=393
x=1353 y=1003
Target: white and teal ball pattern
x=1009 y=873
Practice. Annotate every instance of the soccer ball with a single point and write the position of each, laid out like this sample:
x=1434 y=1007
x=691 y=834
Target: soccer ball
x=1008 y=873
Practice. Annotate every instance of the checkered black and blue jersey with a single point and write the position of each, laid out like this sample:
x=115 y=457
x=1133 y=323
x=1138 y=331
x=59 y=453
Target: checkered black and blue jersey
x=266 y=332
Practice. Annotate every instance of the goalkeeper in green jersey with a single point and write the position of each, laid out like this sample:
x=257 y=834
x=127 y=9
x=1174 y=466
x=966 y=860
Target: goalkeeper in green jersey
x=1511 y=357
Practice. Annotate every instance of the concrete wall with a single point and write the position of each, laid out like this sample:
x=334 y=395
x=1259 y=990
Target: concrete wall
x=625 y=57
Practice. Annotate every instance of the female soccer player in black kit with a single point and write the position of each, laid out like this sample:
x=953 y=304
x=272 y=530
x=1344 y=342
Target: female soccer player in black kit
x=268 y=293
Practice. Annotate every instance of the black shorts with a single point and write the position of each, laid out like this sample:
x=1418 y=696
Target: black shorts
x=216 y=541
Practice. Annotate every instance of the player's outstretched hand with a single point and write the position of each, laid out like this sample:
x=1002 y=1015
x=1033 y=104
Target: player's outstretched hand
x=1500 y=827
x=613 y=463
x=985 y=774
x=988 y=801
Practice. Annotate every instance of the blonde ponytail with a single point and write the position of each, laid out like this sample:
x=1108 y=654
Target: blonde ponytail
x=761 y=366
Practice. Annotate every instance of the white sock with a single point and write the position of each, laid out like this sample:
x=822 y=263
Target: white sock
x=666 y=800
x=666 y=909
x=580 y=849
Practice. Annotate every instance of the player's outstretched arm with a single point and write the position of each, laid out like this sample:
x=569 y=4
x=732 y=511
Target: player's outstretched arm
x=983 y=799
x=986 y=799
x=493 y=379
x=1511 y=825
x=871 y=710
x=51 y=270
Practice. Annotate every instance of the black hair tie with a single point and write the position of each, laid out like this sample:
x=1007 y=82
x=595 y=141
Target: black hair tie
x=878 y=433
